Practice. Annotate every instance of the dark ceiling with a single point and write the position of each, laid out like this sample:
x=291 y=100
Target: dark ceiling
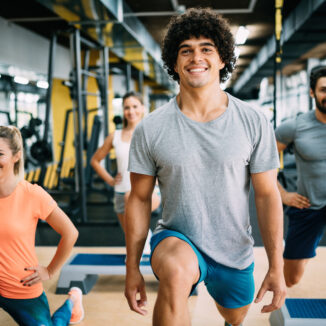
x=257 y=15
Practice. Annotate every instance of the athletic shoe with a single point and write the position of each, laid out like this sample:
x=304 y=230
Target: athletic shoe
x=77 y=314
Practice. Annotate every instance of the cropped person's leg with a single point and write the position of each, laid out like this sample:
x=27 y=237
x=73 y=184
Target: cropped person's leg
x=294 y=270
x=72 y=311
x=28 y=312
x=62 y=316
x=305 y=230
x=176 y=265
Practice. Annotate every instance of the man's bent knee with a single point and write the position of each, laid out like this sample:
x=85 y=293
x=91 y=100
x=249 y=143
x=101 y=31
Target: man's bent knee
x=173 y=274
x=292 y=280
x=234 y=316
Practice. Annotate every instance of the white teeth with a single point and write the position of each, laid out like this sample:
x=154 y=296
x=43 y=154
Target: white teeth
x=197 y=70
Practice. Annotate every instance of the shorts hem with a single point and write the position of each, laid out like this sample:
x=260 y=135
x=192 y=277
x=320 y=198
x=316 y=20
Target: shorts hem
x=305 y=257
x=234 y=306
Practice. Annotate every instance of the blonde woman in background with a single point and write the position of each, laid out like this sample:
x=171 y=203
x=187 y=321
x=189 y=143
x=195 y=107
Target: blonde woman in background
x=133 y=111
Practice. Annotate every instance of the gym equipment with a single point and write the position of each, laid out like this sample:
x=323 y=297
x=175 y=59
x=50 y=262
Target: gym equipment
x=41 y=151
x=82 y=270
x=7 y=114
x=300 y=312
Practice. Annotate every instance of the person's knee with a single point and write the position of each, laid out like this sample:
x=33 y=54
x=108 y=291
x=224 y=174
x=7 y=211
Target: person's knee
x=175 y=275
x=236 y=320
x=291 y=279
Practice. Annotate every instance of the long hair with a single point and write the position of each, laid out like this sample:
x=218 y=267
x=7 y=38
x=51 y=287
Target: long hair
x=127 y=95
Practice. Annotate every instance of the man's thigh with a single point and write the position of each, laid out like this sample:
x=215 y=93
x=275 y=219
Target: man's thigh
x=231 y=288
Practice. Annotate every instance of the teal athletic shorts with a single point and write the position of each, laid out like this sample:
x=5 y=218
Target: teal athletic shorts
x=229 y=287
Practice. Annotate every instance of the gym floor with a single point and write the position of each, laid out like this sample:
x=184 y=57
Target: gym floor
x=105 y=303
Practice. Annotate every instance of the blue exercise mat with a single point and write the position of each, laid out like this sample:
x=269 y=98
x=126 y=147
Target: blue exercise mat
x=306 y=308
x=105 y=260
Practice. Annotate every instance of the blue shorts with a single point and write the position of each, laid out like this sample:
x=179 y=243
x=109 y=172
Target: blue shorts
x=229 y=287
x=306 y=227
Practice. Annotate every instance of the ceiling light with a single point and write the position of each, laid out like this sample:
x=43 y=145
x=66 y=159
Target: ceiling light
x=42 y=84
x=21 y=80
x=241 y=35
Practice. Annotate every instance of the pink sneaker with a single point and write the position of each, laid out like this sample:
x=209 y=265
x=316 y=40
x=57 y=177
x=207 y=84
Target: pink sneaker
x=77 y=314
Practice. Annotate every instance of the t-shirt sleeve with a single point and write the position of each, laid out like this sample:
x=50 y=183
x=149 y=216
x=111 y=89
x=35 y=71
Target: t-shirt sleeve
x=285 y=132
x=140 y=158
x=264 y=156
x=45 y=204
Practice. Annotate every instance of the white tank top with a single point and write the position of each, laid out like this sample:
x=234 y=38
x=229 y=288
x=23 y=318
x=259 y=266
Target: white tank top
x=122 y=156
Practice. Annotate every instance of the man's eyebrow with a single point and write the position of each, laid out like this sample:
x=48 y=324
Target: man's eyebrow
x=183 y=46
x=200 y=44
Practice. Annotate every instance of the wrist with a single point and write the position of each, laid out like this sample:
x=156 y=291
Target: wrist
x=50 y=272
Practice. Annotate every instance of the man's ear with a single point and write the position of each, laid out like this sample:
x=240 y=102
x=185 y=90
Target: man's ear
x=312 y=93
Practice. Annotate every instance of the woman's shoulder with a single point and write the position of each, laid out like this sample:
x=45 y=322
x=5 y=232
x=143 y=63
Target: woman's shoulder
x=31 y=188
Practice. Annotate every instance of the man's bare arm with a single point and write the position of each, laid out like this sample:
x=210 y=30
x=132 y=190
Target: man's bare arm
x=270 y=220
x=291 y=198
x=137 y=220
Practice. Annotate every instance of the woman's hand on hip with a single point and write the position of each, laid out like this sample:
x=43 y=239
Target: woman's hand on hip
x=39 y=274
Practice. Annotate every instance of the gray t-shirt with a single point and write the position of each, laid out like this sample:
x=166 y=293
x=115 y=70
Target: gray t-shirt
x=309 y=139
x=203 y=169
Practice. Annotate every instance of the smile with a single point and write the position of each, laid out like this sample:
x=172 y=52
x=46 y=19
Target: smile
x=194 y=70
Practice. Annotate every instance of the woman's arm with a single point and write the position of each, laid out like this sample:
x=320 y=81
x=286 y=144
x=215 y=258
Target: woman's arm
x=98 y=156
x=61 y=223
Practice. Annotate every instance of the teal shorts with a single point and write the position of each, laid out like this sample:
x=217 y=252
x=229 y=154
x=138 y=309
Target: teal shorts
x=229 y=287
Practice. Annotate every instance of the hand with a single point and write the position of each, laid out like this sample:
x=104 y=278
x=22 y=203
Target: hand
x=295 y=200
x=135 y=284
x=273 y=282
x=117 y=179
x=40 y=274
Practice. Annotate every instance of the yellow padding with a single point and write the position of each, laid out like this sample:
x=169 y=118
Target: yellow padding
x=281 y=161
x=36 y=175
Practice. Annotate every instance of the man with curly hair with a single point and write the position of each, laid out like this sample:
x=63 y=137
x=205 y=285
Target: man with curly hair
x=204 y=147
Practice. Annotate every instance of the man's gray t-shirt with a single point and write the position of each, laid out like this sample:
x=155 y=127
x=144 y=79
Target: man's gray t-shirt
x=203 y=169
x=309 y=141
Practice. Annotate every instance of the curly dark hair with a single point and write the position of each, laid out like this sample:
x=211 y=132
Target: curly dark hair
x=315 y=74
x=197 y=22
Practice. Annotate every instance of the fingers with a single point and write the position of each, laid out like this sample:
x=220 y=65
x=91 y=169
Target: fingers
x=303 y=201
x=40 y=274
x=136 y=305
x=277 y=302
x=31 y=279
x=295 y=200
x=260 y=294
x=143 y=298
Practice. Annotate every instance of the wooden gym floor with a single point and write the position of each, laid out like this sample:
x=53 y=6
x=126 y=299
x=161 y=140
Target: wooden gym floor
x=106 y=305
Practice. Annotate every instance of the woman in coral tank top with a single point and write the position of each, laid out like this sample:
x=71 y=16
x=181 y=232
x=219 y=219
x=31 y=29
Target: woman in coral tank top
x=21 y=206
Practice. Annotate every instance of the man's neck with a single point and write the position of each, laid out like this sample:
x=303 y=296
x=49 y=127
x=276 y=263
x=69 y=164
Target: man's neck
x=320 y=116
x=202 y=104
